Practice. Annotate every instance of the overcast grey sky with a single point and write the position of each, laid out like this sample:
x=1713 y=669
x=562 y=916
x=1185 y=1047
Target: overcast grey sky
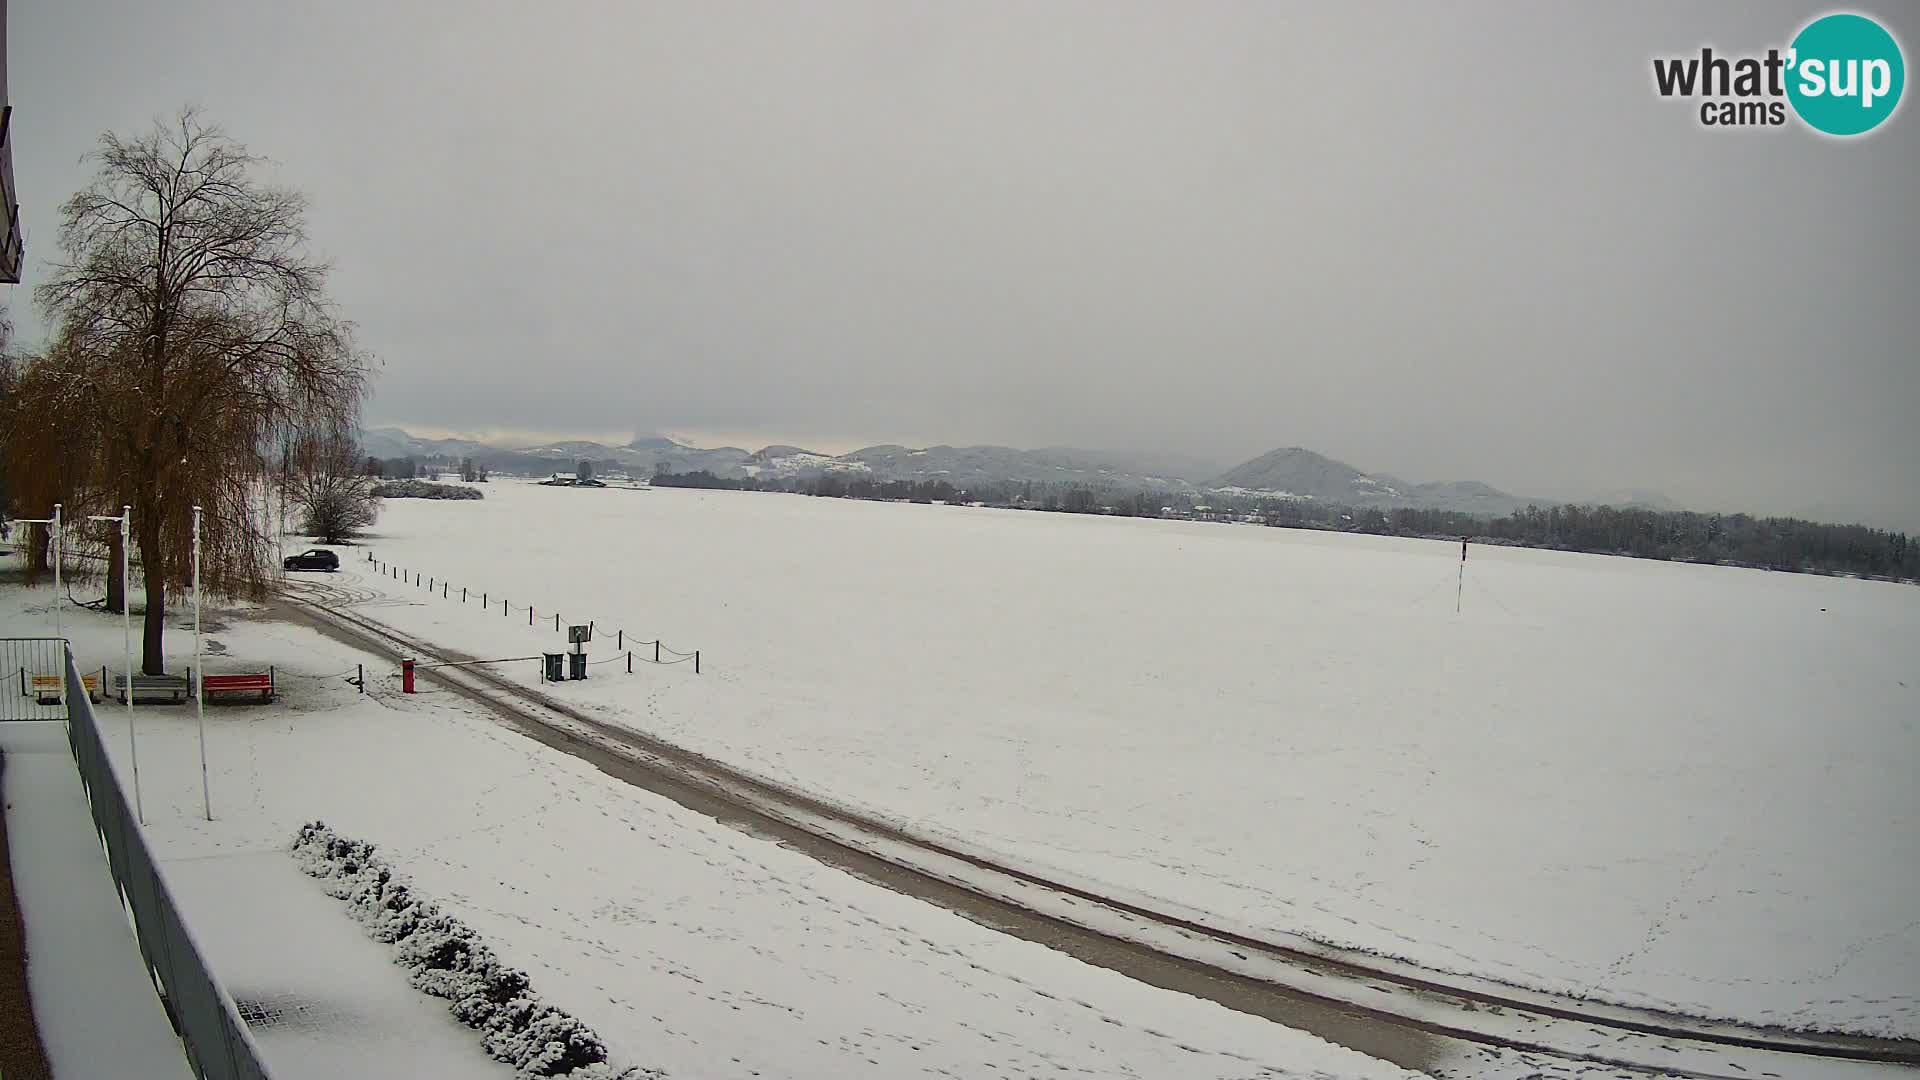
x=1427 y=239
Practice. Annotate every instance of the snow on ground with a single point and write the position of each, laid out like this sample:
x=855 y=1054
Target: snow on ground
x=93 y=1001
x=1680 y=786
x=686 y=944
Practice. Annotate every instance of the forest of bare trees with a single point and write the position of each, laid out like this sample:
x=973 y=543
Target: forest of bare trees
x=193 y=342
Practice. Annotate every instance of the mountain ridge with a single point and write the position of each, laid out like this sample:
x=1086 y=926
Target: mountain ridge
x=1290 y=472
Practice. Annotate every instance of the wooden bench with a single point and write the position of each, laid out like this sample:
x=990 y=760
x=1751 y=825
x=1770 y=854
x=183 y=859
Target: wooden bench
x=255 y=683
x=46 y=688
x=168 y=688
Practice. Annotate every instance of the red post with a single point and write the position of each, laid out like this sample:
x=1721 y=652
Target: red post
x=406 y=675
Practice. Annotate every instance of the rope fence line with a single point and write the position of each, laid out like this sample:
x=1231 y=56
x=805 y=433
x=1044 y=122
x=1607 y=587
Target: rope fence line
x=624 y=650
x=299 y=675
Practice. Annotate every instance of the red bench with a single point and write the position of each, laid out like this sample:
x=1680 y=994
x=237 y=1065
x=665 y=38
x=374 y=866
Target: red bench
x=261 y=683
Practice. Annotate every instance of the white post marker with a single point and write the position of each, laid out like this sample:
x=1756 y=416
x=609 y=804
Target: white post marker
x=126 y=630
x=199 y=676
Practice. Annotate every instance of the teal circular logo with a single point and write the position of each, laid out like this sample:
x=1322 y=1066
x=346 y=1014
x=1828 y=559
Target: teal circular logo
x=1845 y=74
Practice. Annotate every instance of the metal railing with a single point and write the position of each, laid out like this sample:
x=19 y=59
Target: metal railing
x=218 y=1044
x=34 y=672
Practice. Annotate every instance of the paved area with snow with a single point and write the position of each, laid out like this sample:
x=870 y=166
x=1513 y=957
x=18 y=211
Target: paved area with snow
x=1673 y=786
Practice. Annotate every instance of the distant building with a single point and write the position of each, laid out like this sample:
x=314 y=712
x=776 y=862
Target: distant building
x=571 y=480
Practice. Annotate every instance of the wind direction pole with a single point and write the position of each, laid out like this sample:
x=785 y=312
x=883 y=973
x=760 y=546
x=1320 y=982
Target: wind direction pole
x=1460 y=586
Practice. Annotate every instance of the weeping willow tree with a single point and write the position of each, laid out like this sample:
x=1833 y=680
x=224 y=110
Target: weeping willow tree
x=52 y=457
x=194 y=332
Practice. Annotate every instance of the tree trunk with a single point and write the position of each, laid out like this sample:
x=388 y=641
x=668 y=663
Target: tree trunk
x=153 y=659
x=40 y=561
x=116 y=585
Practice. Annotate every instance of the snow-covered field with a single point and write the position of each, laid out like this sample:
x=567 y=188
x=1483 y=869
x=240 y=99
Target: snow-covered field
x=1679 y=786
x=689 y=946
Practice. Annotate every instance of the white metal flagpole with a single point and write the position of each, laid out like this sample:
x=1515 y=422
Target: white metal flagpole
x=199 y=676
x=59 y=598
x=126 y=630
x=57 y=594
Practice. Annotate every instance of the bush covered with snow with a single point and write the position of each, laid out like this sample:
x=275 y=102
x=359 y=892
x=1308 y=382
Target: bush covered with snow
x=421 y=489
x=444 y=957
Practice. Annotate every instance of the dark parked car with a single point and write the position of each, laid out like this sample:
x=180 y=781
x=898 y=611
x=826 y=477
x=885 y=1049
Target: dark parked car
x=313 y=560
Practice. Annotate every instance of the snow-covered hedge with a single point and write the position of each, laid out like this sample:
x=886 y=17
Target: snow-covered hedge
x=445 y=958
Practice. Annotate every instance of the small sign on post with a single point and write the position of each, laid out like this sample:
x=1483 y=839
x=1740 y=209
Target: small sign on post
x=579 y=635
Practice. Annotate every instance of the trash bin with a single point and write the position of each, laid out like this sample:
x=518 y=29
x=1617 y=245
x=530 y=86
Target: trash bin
x=552 y=671
x=576 y=665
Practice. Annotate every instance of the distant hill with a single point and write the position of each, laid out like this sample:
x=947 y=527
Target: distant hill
x=963 y=465
x=1296 y=472
x=393 y=442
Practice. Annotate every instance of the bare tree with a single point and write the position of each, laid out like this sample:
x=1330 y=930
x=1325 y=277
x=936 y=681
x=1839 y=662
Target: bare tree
x=328 y=482
x=200 y=330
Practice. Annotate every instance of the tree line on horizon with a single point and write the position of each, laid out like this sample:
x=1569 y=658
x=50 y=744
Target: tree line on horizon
x=1771 y=543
